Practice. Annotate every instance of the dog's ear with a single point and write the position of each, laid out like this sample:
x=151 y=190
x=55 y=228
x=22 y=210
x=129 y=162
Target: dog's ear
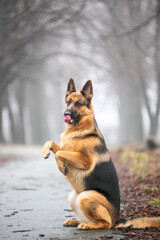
x=87 y=91
x=71 y=88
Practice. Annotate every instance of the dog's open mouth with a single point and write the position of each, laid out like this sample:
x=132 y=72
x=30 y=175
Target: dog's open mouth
x=71 y=117
x=68 y=119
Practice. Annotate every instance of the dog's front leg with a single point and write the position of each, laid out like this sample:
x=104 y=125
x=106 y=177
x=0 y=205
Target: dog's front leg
x=48 y=147
x=75 y=159
x=52 y=146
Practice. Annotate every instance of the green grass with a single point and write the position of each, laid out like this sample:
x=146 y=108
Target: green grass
x=139 y=162
x=155 y=202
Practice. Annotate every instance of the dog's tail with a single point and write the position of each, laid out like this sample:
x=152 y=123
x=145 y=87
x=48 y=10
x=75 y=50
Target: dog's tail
x=143 y=222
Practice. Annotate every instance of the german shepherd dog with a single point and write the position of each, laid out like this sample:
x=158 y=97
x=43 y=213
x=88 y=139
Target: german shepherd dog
x=86 y=162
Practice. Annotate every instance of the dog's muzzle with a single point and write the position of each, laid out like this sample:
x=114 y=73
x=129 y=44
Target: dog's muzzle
x=68 y=116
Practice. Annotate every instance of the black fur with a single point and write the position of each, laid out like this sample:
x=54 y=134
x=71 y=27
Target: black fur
x=121 y=221
x=101 y=148
x=74 y=115
x=104 y=180
x=90 y=135
x=79 y=104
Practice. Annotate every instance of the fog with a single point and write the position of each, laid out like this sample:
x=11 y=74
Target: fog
x=116 y=44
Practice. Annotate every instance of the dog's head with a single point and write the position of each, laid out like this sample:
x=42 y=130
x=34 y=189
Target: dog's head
x=78 y=105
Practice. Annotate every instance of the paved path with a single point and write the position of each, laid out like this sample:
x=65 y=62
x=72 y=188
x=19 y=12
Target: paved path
x=33 y=199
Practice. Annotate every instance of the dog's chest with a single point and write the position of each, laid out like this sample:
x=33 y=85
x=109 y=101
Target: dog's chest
x=74 y=175
x=76 y=178
x=69 y=144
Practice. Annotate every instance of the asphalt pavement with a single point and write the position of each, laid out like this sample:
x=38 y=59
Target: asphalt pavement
x=33 y=199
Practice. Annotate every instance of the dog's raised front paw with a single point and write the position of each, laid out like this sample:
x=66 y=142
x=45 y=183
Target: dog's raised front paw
x=46 y=149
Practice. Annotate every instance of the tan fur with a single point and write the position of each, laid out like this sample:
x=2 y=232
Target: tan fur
x=140 y=223
x=94 y=207
x=71 y=223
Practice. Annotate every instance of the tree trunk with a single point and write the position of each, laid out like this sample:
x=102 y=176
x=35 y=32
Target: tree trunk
x=154 y=118
x=131 y=127
x=153 y=126
x=11 y=116
x=1 y=109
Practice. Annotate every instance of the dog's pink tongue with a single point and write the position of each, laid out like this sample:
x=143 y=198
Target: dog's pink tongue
x=67 y=118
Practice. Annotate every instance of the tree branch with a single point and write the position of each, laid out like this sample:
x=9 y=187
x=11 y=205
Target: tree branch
x=132 y=30
x=69 y=54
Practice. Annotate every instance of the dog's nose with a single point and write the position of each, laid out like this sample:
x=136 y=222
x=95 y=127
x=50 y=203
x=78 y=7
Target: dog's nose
x=68 y=112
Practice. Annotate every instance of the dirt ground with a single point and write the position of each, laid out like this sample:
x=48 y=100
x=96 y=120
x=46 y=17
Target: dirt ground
x=33 y=195
x=139 y=178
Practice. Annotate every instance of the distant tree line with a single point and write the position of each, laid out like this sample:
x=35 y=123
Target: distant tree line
x=43 y=42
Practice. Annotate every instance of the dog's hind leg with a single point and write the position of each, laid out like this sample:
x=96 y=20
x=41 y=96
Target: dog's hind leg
x=94 y=208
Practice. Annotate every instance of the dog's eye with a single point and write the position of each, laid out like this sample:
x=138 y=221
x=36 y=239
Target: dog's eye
x=78 y=104
x=68 y=102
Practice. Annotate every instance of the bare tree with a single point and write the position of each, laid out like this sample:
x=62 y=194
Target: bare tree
x=113 y=37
